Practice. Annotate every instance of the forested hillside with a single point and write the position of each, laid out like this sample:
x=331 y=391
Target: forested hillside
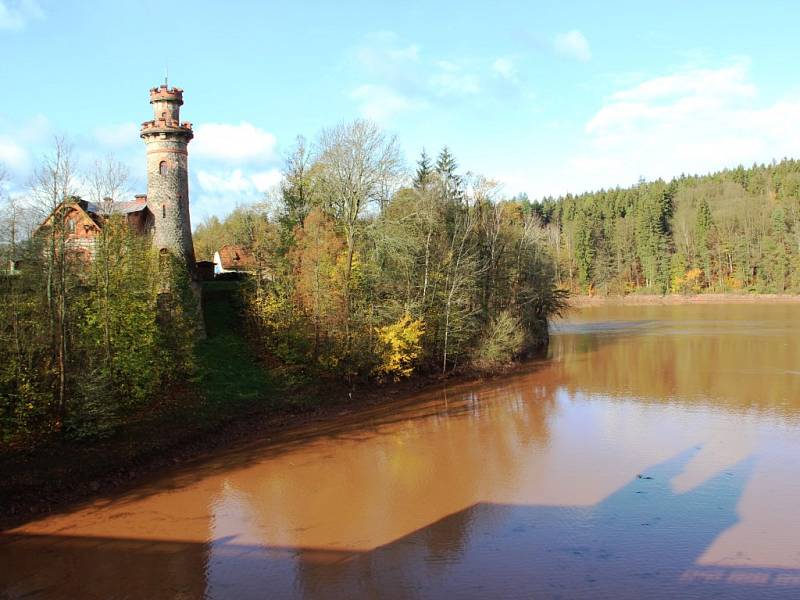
x=733 y=231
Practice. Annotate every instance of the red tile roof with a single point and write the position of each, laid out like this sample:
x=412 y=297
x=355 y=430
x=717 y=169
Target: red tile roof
x=237 y=258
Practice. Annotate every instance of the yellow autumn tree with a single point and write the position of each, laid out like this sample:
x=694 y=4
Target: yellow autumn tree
x=399 y=347
x=690 y=282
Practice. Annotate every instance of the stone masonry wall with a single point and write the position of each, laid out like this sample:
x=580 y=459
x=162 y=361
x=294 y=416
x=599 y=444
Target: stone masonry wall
x=168 y=195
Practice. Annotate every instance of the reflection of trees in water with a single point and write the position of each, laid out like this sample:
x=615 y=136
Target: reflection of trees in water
x=736 y=370
x=387 y=479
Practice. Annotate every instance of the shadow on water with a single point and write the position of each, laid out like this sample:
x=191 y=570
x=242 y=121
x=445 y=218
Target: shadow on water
x=644 y=540
x=603 y=327
x=580 y=338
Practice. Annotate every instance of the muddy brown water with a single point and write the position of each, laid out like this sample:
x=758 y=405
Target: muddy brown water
x=654 y=454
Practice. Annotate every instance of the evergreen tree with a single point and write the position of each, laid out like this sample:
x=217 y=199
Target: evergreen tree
x=779 y=259
x=424 y=172
x=703 y=225
x=451 y=183
x=584 y=250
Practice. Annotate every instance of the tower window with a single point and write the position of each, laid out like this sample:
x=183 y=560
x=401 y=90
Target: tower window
x=163 y=211
x=162 y=167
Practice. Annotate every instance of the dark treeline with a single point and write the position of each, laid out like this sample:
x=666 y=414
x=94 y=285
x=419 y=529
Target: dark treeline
x=736 y=230
x=365 y=272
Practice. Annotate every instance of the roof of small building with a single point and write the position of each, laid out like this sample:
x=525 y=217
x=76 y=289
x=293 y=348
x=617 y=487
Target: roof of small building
x=234 y=257
x=94 y=212
x=117 y=208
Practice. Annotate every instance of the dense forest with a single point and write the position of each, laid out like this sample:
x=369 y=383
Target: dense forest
x=733 y=231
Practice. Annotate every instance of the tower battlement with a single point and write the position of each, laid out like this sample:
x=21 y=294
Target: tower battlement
x=164 y=124
x=167 y=104
x=166 y=94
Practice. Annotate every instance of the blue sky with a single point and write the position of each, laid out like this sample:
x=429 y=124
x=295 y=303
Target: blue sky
x=545 y=97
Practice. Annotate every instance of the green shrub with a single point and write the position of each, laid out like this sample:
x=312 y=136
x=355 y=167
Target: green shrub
x=501 y=342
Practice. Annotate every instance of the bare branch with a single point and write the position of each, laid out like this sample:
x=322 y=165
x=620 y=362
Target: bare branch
x=108 y=182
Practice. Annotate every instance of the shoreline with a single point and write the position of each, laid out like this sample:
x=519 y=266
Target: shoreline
x=64 y=475
x=584 y=301
x=98 y=471
x=194 y=425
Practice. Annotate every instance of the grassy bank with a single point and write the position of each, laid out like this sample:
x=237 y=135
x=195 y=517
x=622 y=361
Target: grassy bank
x=231 y=377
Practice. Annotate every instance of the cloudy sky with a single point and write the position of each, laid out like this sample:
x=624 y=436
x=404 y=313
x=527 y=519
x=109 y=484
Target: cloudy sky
x=546 y=97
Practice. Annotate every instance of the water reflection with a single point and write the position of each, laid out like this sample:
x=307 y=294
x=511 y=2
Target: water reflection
x=522 y=486
x=739 y=357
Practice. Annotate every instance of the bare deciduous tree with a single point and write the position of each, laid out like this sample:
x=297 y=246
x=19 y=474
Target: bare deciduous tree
x=9 y=220
x=108 y=182
x=359 y=165
x=54 y=180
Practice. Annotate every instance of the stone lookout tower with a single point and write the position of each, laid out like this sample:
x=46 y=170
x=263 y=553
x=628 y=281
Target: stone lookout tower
x=166 y=139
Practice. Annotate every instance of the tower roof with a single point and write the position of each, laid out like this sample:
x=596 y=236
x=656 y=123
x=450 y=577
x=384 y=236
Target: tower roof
x=168 y=94
x=166 y=103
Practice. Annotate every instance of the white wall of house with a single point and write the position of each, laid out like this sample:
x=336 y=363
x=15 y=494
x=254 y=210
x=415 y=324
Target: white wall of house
x=218 y=268
x=218 y=264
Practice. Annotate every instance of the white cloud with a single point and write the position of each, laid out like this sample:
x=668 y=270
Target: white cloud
x=233 y=143
x=505 y=68
x=724 y=82
x=447 y=66
x=35 y=129
x=19 y=140
x=220 y=191
x=380 y=50
x=224 y=183
x=16 y=15
x=266 y=180
x=451 y=80
x=117 y=136
x=690 y=121
x=398 y=78
x=381 y=102
x=12 y=155
x=574 y=45
x=237 y=181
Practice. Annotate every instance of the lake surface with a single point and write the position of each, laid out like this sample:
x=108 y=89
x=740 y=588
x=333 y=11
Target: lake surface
x=655 y=454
